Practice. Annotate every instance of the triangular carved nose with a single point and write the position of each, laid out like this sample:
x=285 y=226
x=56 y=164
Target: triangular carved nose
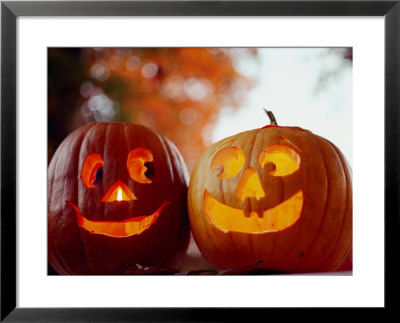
x=118 y=192
x=249 y=185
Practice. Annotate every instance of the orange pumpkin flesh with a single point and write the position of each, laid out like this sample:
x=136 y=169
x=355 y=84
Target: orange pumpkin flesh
x=118 y=229
x=296 y=214
x=116 y=201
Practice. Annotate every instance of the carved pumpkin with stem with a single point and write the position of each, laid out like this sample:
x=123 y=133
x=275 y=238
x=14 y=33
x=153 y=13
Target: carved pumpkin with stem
x=116 y=201
x=278 y=198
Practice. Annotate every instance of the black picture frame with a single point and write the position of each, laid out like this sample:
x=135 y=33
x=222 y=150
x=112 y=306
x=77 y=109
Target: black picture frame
x=11 y=10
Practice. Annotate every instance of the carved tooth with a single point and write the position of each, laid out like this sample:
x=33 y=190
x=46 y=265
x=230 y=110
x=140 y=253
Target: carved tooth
x=246 y=210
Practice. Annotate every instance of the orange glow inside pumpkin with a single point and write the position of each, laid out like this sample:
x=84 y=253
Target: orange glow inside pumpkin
x=250 y=185
x=140 y=170
x=228 y=162
x=91 y=164
x=136 y=164
x=118 y=229
x=275 y=219
x=118 y=192
x=286 y=159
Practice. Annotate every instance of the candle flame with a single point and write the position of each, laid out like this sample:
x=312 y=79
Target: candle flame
x=119 y=194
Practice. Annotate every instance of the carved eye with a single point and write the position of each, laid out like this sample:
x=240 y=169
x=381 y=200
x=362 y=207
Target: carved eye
x=140 y=165
x=285 y=159
x=92 y=170
x=228 y=162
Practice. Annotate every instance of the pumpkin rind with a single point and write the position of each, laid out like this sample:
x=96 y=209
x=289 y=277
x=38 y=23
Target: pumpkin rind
x=318 y=241
x=73 y=250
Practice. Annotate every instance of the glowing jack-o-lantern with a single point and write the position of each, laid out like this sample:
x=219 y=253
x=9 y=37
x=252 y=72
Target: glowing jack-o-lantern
x=279 y=197
x=116 y=201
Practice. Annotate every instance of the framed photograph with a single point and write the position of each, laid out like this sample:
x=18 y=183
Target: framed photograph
x=130 y=130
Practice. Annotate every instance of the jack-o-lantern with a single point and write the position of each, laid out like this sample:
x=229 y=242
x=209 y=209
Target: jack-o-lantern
x=279 y=197
x=116 y=201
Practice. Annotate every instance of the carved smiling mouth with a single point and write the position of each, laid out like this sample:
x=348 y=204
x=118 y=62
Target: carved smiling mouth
x=118 y=229
x=275 y=219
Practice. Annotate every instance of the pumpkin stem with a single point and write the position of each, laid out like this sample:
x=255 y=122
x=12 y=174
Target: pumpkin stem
x=271 y=117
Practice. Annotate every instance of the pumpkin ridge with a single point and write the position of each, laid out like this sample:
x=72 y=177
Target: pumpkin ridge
x=173 y=150
x=306 y=135
x=285 y=132
x=163 y=147
x=175 y=153
x=311 y=248
x=300 y=145
x=54 y=239
x=250 y=238
x=340 y=261
x=193 y=187
x=207 y=230
x=79 y=135
x=73 y=144
x=66 y=267
x=338 y=239
x=280 y=130
x=126 y=126
x=349 y=192
x=107 y=129
x=229 y=235
x=306 y=179
x=327 y=255
x=50 y=188
x=275 y=241
x=84 y=137
x=106 y=242
x=166 y=151
x=172 y=232
x=331 y=250
x=127 y=145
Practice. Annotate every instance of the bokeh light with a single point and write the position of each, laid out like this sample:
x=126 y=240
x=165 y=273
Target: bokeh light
x=178 y=92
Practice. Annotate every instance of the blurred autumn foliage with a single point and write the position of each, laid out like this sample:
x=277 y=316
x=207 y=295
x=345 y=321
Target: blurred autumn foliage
x=175 y=91
x=178 y=92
